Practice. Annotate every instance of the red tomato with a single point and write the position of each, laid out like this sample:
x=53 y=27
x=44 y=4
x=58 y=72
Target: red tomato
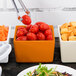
x=44 y=27
x=49 y=37
x=28 y=27
x=31 y=36
x=34 y=29
x=20 y=28
x=22 y=38
x=48 y=32
x=20 y=33
x=26 y=20
x=39 y=23
x=41 y=36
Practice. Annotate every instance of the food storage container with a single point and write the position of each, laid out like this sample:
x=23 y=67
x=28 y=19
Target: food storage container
x=0 y=70
x=67 y=49
x=4 y=55
x=34 y=51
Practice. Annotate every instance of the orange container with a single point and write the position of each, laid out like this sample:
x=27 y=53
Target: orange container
x=34 y=51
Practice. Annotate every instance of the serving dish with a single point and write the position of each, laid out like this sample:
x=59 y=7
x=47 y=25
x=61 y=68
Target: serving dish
x=0 y=70
x=5 y=59
x=68 y=49
x=34 y=51
x=59 y=68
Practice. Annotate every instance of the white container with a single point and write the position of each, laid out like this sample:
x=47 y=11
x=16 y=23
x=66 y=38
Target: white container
x=0 y=70
x=68 y=49
x=6 y=57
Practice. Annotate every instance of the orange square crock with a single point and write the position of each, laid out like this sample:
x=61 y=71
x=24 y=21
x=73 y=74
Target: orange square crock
x=34 y=51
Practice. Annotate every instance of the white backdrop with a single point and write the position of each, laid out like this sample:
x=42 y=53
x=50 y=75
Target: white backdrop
x=49 y=11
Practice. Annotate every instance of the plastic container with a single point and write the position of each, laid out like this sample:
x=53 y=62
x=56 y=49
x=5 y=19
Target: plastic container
x=6 y=57
x=68 y=50
x=34 y=51
x=0 y=70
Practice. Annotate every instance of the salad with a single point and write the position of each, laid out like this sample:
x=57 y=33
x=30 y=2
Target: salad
x=43 y=71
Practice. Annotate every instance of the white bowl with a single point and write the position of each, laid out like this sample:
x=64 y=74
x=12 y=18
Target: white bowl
x=68 y=49
x=0 y=70
x=5 y=60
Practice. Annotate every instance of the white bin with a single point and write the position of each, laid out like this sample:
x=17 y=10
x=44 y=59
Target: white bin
x=0 y=70
x=4 y=55
x=67 y=49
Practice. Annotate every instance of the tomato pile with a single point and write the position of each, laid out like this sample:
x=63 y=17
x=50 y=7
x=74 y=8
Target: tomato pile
x=38 y=31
